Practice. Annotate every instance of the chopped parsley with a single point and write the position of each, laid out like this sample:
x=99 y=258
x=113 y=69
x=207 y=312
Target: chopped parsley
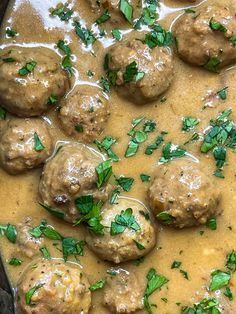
x=188 y=123
x=123 y=221
x=45 y=253
x=154 y=282
x=90 y=211
x=165 y=218
x=98 y=285
x=105 y=145
x=3 y=113
x=222 y=93
x=64 y=47
x=104 y=171
x=14 y=261
x=9 y=231
x=132 y=73
x=145 y=177
x=62 y=11
x=127 y=10
x=125 y=183
x=11 y=32
x=176 y=264
x=71 y=246
x=53 y=211
x=27 y=68
x=228 y=293
x=205 y=306
x=79 y=128
x=67 y=65
x=213 y=64
x=116 y=33
x=171 y=151
x=52 y=99
x=222 y=134
x=231 y=261
x=193 y=138
x=38 y=145
x=159 y=37
x=152 y=147
x=103 y=18
x=212 y=224
x=217 y=26
x=139 y=245
x=219 y=279
x=149 y=14
x=29 y=294
x=84 y=34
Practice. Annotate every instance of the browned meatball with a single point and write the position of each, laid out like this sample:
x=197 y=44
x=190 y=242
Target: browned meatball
x=59 y=288
x=84 y=113
x=68 y=175
x=28 y=77
x=205 y=37
x=182 y=194
x=28 y=245
x=24 y=144
x=154 y=66
x=123 y=292
x=137 y=239
x=104 y=4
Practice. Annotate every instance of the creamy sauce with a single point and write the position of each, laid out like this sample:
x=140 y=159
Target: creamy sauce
x=199 y=254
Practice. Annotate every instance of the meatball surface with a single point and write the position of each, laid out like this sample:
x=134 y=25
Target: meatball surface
x=28 y=245
x=205 y=37
x=60 y=288
x=69 y=174
x=182 y=194
x=24 y=144
x=155 y=70
x=84 y=113
x=123 y=292
x=134 y=240
x=27 y=82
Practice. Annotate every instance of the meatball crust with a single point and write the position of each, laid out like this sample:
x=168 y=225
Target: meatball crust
x=198 y=43
x=183 y=192
x=19 y=139
x=84 y=113
x=27 y=94
x=155 y=65
x=69 y=174
x=62 y=288
x=27 y=244
x=123 y=292
x=125 y=245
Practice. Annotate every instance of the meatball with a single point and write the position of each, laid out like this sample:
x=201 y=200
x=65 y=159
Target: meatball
x=84 y=113
x=154 y=69
x=129 y=233
x=123 y=292
x=183 y=195
x=24 y=144
x=205 y=37
x=28 y=245
x=28 y=77
x=69 y=174
x=59 y=288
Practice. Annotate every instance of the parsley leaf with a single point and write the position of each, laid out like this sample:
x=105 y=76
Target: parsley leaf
x=159 y=37
x=213 y=64
x=219 y=279
x=103 y=18
x=145 y=177
x=125 y=182
x=62 y=11
x=84 y=34
x=38 y=145
x=28 y=68
x=98 y=285
x=212 y=224
x=105 y=145
x=189 y=123
x=171 y=151
x=222 y=93
x=14 y=261
x=217 y=26
x=165 y=218
x=31 y=292
x=127 y=10
x=123 y=221
x=70 y=246
x=104 y=171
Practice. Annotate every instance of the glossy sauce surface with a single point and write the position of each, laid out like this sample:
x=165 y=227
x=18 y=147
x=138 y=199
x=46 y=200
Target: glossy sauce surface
x=190 y=91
